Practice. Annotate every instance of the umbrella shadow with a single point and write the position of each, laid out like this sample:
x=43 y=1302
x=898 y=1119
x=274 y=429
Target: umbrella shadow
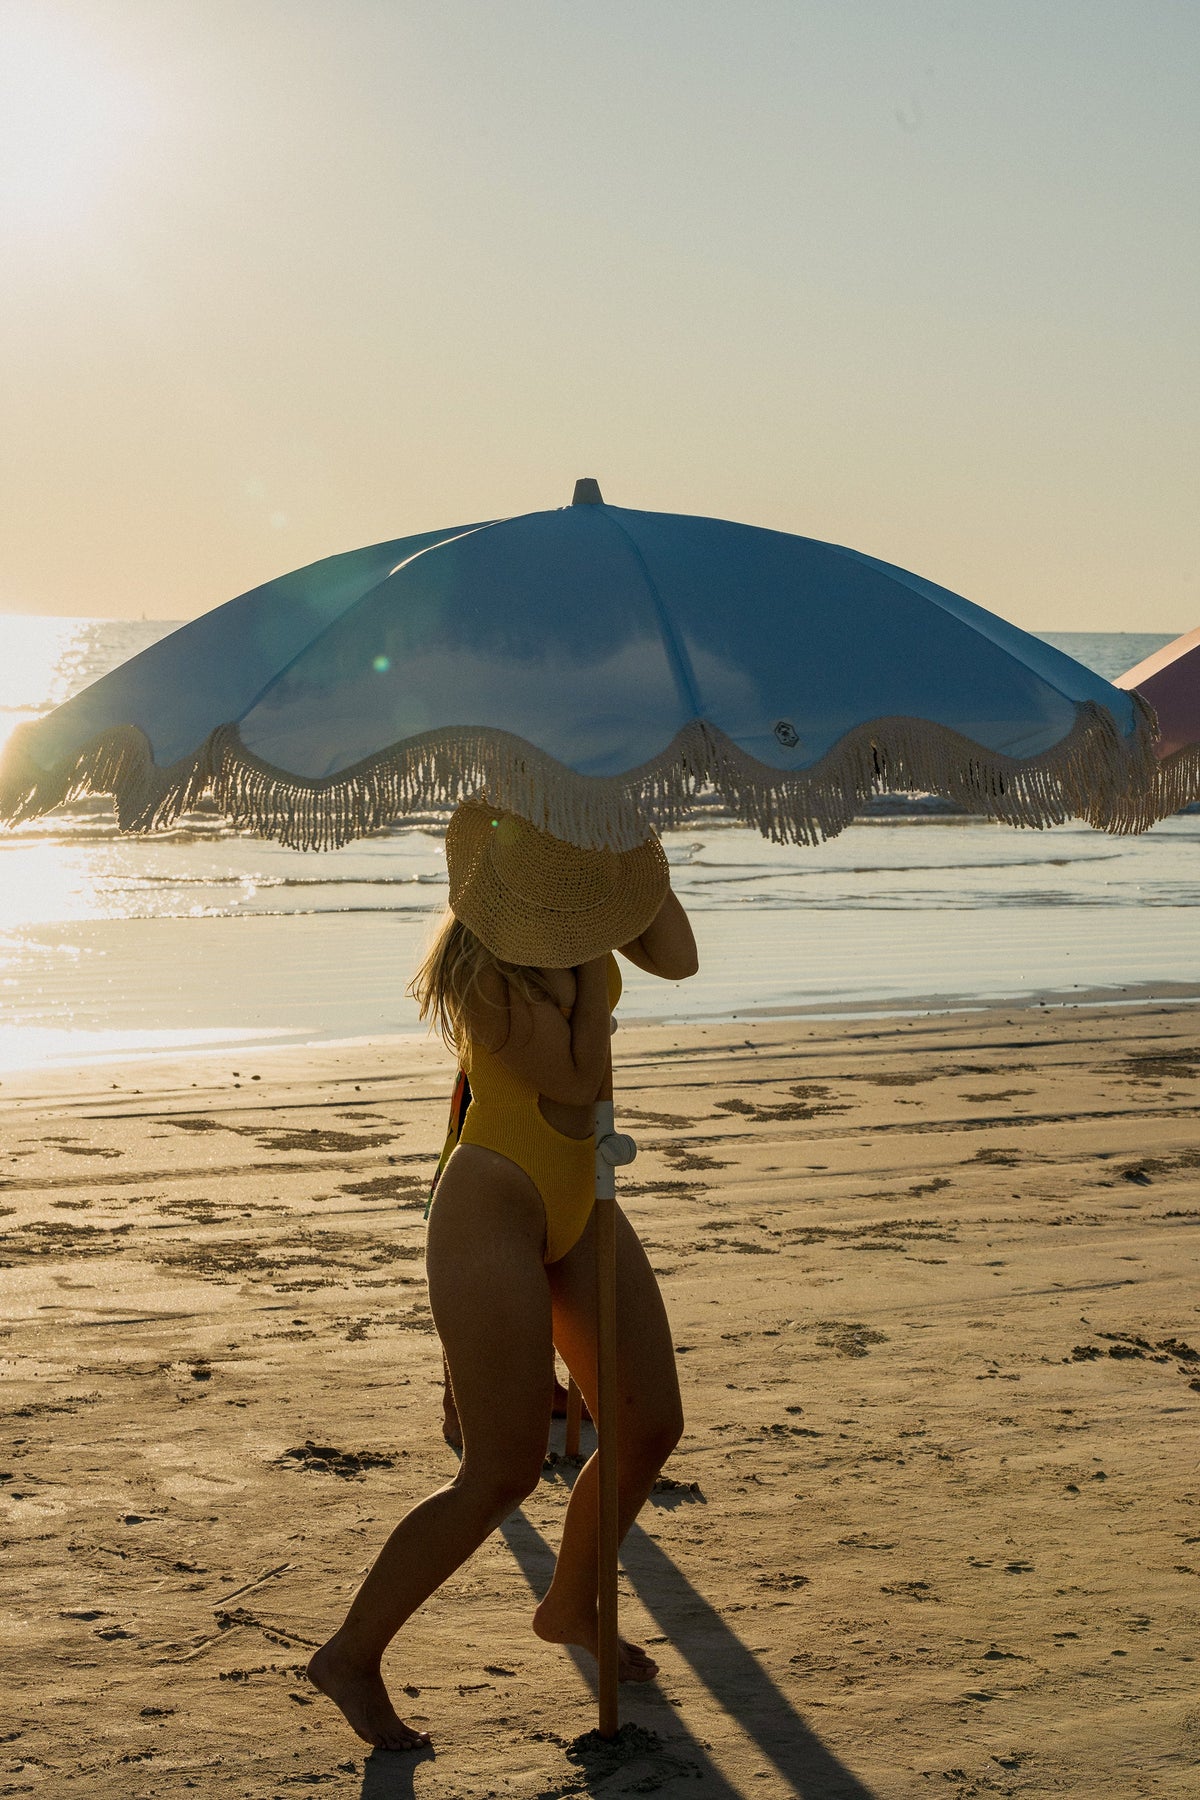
x=731 y=1672
x=734 y=1676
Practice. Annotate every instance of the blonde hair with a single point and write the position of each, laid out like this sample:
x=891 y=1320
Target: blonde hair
x=448 y=980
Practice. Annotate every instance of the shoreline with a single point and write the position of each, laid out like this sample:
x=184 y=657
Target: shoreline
x=20 y=1064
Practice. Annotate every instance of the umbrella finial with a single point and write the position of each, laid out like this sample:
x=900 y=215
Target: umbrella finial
x=587 y=492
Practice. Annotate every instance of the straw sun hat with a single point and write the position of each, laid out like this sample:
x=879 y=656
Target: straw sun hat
x=532 y=899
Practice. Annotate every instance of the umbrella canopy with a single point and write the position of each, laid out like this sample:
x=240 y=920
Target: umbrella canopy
x=1170 y=681
x=594 y=669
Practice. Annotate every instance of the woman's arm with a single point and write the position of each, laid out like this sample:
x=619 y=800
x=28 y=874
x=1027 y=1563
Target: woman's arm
x=667 y=946
x=564 y=1059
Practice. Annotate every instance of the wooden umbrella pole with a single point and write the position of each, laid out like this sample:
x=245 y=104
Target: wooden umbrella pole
x=612 y=1149
x=606 y=1449
x=574 y=1417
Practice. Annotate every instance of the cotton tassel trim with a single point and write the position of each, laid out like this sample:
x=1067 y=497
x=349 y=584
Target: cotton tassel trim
x=1176 y=785
x=1095 y=773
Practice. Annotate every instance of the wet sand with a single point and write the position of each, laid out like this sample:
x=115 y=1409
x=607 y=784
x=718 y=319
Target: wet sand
x=934 y=1527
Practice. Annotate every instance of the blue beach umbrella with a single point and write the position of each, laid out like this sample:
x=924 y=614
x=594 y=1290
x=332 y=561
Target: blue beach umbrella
x=594 y=669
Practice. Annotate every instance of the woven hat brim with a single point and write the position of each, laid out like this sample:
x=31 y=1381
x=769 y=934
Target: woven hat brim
x=541 y=934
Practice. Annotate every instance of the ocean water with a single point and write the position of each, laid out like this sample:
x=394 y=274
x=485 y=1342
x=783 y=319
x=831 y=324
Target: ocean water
x=206 y=937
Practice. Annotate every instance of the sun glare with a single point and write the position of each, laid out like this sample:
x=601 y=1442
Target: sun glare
x=69 y=121
x=32 y=675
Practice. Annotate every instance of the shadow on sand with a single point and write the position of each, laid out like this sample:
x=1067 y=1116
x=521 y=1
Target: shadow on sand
x=655 y=1749
x=732 y=1674
x=392 y=1774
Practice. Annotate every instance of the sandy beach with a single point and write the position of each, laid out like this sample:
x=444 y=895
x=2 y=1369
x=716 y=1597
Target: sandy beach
x=934 y=1527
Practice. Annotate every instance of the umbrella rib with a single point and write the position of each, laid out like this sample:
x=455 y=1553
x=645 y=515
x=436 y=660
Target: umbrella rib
x=681 y=663
x=905 y=579
x=453 y=536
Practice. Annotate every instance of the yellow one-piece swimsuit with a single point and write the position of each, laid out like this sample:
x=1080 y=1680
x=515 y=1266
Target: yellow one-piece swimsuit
x=504 y=1116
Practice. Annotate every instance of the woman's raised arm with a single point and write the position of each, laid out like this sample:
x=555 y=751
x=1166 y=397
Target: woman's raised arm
x=564 y=1059
x=667 y=946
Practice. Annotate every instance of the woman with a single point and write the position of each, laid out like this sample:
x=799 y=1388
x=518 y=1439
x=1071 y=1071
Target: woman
x=522 y=983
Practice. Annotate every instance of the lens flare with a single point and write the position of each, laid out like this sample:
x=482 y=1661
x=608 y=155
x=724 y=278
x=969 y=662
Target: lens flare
x=72 y=120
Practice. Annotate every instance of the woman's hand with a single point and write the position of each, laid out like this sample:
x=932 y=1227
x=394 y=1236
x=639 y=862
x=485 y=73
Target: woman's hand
x=565 y=1059
x=667 y=947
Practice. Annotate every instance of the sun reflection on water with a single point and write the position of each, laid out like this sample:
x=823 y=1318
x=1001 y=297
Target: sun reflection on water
x=50 y=885
x=45 y=661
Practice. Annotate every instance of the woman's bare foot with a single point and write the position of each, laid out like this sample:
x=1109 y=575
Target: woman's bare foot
x=633 y=1663
x=358 y=1692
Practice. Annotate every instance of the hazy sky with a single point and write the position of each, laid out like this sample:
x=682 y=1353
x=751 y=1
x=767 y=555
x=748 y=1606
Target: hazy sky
x=283 y=277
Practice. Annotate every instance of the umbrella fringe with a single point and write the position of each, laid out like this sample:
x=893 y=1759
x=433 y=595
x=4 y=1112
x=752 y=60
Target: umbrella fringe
x=1096 y=773
x=1176 y=783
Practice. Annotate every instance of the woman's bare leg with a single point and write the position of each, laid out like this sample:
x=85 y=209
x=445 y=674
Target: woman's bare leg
x=649 y=1422
x=491 y=1305
x=452 y=1429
